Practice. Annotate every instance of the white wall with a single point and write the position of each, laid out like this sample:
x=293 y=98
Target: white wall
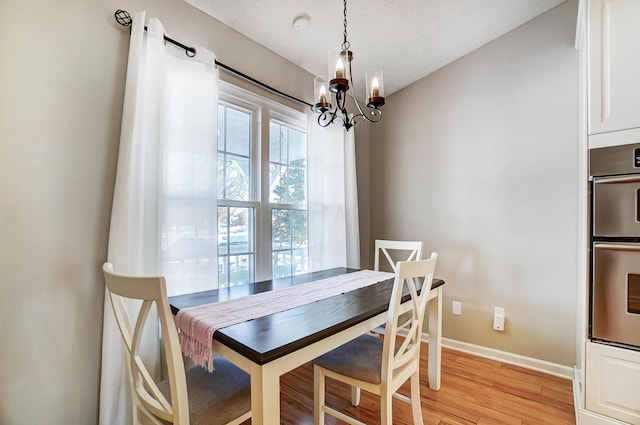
x=62 y=69
x=479 y=160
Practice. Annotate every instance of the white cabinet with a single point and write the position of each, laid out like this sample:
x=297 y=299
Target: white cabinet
x=611 y=375
x=614 y=65
x=612 y=380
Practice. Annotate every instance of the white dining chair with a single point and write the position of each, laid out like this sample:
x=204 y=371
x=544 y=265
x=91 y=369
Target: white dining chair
x=194 y=396
x=381 y=366
x=386 y=254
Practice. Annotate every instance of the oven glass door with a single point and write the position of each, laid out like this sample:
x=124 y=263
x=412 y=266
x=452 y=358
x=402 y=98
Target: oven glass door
x=616 y=293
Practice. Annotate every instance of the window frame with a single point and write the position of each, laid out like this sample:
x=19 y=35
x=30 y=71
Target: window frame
x=265 y=111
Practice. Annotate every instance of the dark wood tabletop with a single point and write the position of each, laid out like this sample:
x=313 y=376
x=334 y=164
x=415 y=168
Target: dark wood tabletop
x=267 y=338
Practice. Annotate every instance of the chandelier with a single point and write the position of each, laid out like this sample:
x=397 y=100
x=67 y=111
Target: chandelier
x=340 y=83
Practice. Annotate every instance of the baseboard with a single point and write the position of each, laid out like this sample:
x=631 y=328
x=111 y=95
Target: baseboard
x=586 y=417
x=510 y=358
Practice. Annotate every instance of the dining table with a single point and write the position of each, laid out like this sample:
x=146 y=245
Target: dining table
x=269 y=346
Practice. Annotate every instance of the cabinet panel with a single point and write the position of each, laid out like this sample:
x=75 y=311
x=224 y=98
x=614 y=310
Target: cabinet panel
x=614 y=65
x=613 y=382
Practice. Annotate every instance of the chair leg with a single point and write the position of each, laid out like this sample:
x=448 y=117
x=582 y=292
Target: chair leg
x=355 y=396
x=416 y=407
x=318 y=396
x=386 y=401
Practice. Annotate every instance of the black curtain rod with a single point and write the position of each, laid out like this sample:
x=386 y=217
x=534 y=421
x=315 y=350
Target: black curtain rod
x=124 y=18
x=260 y=83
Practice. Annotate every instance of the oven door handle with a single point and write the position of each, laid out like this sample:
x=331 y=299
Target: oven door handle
x=611 y=180
x=617 y=247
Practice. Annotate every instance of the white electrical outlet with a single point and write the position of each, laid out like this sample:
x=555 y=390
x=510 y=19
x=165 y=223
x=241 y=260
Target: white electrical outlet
x=498 y=319
x=456 y=308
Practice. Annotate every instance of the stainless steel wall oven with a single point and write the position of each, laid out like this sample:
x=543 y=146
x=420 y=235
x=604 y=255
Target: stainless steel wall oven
x=615 y=238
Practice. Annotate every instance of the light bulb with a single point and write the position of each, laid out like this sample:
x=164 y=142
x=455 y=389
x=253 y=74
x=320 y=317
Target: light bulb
x=339 y=69
x=375 y=87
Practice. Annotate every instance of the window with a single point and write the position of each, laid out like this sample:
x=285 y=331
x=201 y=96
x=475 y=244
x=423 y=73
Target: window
x=262 y=189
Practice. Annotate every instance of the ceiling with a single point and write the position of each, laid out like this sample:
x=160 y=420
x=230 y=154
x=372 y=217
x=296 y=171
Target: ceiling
x=408 y=39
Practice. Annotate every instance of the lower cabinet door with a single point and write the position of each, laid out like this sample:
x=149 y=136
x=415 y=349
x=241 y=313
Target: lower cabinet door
x=612 y=382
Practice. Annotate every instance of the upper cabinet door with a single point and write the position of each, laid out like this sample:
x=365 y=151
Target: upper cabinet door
x=614 y=65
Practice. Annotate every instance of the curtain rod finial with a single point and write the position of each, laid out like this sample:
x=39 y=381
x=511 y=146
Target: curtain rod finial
x=123 y=18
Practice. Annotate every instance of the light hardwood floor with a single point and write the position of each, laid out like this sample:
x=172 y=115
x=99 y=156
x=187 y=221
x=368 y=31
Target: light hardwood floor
x=474 y=390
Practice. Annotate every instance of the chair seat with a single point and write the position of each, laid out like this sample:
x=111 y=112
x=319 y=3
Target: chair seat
x=218 y=397
x=360 y=358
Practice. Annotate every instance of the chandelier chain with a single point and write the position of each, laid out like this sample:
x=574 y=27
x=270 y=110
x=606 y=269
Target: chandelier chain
x=345 y=44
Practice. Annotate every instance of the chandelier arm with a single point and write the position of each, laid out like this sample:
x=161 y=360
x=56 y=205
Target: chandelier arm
x=355 y=100
x=352 y=121
x=375 y=113
x=323 y=118
x=346 y=122
x=373 y=116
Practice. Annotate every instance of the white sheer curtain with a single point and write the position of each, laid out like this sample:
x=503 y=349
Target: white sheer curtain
x=163 y=219
x=334 y=237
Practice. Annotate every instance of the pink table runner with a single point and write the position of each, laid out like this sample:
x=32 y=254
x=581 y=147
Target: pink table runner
x=196 y=325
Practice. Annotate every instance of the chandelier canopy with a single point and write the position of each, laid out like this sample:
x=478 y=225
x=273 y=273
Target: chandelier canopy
x=340 y=83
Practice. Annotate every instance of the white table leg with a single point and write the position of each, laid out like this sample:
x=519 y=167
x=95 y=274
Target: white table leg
x=265 y=396
x=435 y=340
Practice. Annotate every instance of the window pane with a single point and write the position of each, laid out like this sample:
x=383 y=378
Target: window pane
x=241 y=269
x=223 y=272
x=238 y=131
x=234 y=153
x=236 y=242
x=300 y=263
x=277 y=143
x=277 y=183
x=281 y=264
x=297 y=146
x=237 y=178
x=239 y=240
x=288 y=162
x=281 y=230
x=296 y=185
x=299 y=234
x=240 y=226
x=289 y=242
